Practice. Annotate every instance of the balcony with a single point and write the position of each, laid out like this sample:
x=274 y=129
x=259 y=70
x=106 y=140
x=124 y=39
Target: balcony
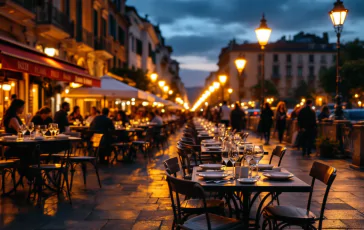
x=103 y=48
x=85 y=40
x=52 y=22
x=21 y=11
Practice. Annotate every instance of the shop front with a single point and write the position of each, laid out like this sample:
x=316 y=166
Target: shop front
x=30 y=75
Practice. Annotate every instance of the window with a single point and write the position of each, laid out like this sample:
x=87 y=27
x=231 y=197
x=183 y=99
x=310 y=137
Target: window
x=112 y=26
x=104 y=27
x=311 y=71
x=323 y=59
x=299 y=72
x=96 y=23
x=300 y=60
x=79 y=18
x=289 y=71
x=121 y=35
x=66 y=7
x=139 y=47
x=132 y=43
x=275 y=57
x=289 y=58
x=150 y=50
x=259 y=57
x=275 y=71
x=311 y=58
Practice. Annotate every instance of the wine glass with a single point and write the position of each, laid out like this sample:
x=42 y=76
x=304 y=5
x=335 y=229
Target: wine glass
x=234 y=156
x=225 y=156
x=50 y=128
x=258 y=155
x=43 y=129
x=30 y=127
x=249 y=149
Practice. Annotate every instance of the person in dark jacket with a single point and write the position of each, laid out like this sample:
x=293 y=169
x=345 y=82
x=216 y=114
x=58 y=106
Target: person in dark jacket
x=281 y=116
x=266 y=122
x=42 y=117
x=237 y=116
x=103 y=124
x=324 y=114
x=61 y=117
x=307 y=125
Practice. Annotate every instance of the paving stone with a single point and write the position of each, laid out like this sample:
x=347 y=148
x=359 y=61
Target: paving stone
x=332 y=224
x=118 y=225
x=147 y=225
x=155 y=215
x=75 y=225
x=343 y=214
x=354 y=224
x=113 y=215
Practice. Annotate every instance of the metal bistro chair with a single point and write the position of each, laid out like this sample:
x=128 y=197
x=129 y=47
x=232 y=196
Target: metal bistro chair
x=7 y=166
x=280 y=217
x=83 y=160
x=278 y=151
x=193 y=206
x=205 y=220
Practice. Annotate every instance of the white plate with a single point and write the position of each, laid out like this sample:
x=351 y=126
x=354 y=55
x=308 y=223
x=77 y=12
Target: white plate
x=265 y=167
x=211 y=166
x=212 y=176
x=247 y=180
x=278 y=175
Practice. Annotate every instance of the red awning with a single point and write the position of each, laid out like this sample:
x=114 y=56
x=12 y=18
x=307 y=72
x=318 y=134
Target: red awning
x=32 y=62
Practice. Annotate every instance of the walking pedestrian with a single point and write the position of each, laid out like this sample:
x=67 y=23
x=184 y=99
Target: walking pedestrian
x=307 y=125
x=237 y=118
x=225 y=114
x=281 y=116
x=266 y=119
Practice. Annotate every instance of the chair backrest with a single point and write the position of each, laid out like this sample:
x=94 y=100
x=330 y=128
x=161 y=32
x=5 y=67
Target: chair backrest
x=326 y=174
x=96 y=139
x=184 y=155
x=278 y=151
x=187 y=188
x=172 y=166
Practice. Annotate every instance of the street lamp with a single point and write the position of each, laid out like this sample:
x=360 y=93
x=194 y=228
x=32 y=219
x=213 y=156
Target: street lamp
x=211 y=89
x=154 y=77
x=230 y=91
x=165 y=88
x=216 y=85
x=338 y=15
x=161 y=83
x=263 y=33
x=240 y=63
x=222 y=80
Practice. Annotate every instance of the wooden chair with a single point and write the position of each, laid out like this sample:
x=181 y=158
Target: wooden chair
x=83 y=160
x=280 y=217
x=278 y=151
x=204 y=220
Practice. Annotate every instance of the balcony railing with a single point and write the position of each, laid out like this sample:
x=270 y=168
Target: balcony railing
x=85 y=37
x=27 y=4
x=48 y=14
x=102 y=43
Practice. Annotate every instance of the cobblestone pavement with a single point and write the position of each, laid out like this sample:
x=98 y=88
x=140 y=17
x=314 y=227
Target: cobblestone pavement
x=135 y=196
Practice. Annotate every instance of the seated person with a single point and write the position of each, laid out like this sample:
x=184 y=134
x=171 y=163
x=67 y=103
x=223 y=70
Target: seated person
x=156 y=119
x=75 y=115
x=43 y=117
x=11 y=119
x=92 y=116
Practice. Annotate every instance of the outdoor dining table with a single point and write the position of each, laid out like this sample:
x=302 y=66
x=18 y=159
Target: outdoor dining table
x=29 y=144
x=230 y=188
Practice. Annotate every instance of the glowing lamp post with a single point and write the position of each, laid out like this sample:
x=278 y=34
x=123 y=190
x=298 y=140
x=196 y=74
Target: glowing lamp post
x=338 y=15
x=222 y=80
x=263 y=33
x=240 y=63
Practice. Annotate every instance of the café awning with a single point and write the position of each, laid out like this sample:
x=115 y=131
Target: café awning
x=17 y=57
x=111 y=88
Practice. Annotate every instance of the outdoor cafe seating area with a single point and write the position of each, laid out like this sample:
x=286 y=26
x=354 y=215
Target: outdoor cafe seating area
x=220 y=180
x=45 y=165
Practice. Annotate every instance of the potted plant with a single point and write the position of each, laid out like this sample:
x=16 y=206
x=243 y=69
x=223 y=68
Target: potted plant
x=327 y=148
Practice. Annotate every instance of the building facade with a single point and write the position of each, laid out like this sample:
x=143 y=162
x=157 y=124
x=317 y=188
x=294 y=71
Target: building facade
x=287 y=62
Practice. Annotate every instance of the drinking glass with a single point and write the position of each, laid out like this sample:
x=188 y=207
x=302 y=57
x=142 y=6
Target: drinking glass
x=234 y=156
x=225 y=156
x=258 y=155
x=50 y=128
x=43 y=129
x=249 y=151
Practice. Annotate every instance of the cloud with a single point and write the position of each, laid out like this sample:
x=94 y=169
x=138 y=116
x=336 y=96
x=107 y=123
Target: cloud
x=196 y=63
x=193 y=78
